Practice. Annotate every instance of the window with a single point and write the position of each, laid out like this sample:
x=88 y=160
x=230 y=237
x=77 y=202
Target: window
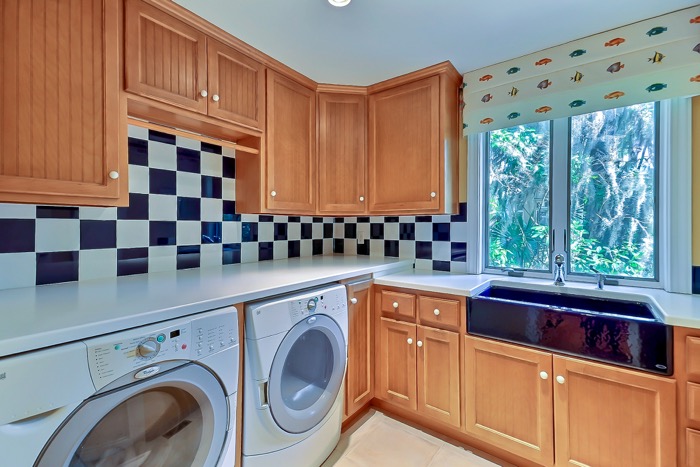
x=585 y=187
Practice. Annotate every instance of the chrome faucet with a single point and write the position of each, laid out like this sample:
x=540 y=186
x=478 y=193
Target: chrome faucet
x=559 y=271
x=599 y=277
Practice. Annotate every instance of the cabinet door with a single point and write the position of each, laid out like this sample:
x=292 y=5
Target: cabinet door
x=508 y=398
x=63 y=121
x=165 y=58
x=438 y=375
x=236 y=86
x=397 y=363
x=404 y=148
x=358 y=379
x=607 y=416
x=291 y=146
x=342 y=156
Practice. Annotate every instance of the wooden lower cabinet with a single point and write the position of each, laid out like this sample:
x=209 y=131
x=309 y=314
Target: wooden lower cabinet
x=396 y=382
x=358 y=378
x=438 y=374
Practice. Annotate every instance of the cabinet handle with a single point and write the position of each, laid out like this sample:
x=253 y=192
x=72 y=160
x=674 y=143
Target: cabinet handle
x=114 y=175
x=409 y=340
x=395 y=304
x=215 y=98
x=419 y=343
x=544 y=375
x=353 y=300
x=437 y=312
x=560 y=380
x=273 y=193
x=203 y=93
x=433 y=194
x=362 y=198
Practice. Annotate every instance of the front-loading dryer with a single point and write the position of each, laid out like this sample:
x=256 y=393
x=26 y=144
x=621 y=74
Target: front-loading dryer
x=154 y=396
x=296 y=355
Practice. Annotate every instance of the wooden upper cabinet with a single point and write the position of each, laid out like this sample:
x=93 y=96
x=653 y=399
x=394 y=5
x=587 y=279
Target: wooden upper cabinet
x=165 y=58
x=291 y=146
x=63 y=128
x=396 y=366
x=236 y=86
x=611 y=416
x=438 y=375
x=358 y=378
x=342 y=155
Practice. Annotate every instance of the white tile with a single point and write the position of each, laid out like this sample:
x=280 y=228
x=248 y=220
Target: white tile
x=317 y=231
x=391 y=231
x=249 y=252
x=442 y=251
x=327 y=246
x=307 y=219
x=350 y=246
x=338 y=230
x=139 y=179
x=280 y=218
x=280 y=249
x=212 y=164
x=162 y=258
x=456 y=266
x=189 y=143
x=307 y=247
x=328 y=220
x=132 y=234
x=212 y=209
x=97 y=264
x=459 y=231
x=138 y=132
x=424 y=264
x=266 y=231
x=377 y=219
x=210 y=255
x=228 y=189
x=424 y=231
x=162 y=155
x=228 y=151
x=189 y=232
x=57 y=235
x=376 y=247
x=98 y=214
x=162 y=207
x=407 y=219
x=231 y=232
x=189 y=184
x=249 y=217
x=17 y=270
x=363 y=231
x=407 y=249
x=442 y=218
x=17 y=211
x=294 y=231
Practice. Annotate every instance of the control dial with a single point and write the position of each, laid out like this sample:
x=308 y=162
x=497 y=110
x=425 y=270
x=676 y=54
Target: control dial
x=148 y=348
x=311 y=305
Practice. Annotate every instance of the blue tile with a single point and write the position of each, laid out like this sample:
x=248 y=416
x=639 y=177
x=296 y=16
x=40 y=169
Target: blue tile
x=249 y=231
x=294 y=219
x=339 y=220
x=441 y=266
x=424 y=250
x=213 y=148
x=162 y=233
x=138 y=152
x=161 y=137
x=18 y=235
x=137 y=209
x=229 y=167
x=350 y=230
x=229 y=212
x=55 y=267
x=459 y=252
x=132 y=261
x=696 y=279
x=189 y=209
x=376 y=231
x=462 y=216
x=327 y=230
x=363 y=248
x=391 y=248
x=317 y=247
x=424 y=218
x=162 y=182
x=211 y=187
x=294 y=248
x=338 y=245
x=265 y=251
x=188 y=257
x=317 y=220
x=363 y=220
x=307 y=231
x=391 y=219
x=231 y=253
x=441 y=232
x=98 y=234
x=56 y=212
x=211 y=232
x=407 y=231
x=264 y=218
x=280 y=231
x=188 y=160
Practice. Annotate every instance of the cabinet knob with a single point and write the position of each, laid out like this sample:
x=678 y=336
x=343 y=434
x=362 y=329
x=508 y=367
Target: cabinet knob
x=433 y=194
x=419 y=343
x=409 y=340
x=114 y=175
x=203 y=93
x=273 y=193
x=395 y=304
x=215 y=98
x=437 y=312
x=353 y=300
x=362 y=198
x=560 y=380
x=544 y=375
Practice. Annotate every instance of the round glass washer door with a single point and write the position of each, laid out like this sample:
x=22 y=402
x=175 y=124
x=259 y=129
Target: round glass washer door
x=307 y=373
x=179 y=417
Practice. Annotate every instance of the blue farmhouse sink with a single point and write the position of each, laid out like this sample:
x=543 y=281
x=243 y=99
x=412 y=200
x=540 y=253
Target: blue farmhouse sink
x=614 y=331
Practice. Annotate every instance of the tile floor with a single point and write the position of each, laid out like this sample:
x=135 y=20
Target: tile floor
x=379 y=440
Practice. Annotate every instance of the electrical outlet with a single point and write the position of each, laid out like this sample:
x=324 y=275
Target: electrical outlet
x=361 y=238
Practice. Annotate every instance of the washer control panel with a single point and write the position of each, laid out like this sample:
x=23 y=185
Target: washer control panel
x=328 y=302
x=112 y=356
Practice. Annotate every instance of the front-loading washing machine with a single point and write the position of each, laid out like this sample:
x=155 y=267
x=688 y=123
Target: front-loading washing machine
x=154 y=396
x=295 y=359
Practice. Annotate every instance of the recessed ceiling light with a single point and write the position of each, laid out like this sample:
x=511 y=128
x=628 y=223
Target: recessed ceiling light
x=339 y=2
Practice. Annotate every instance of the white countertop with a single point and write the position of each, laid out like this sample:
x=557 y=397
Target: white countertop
x=675 y=309
x=36 y=317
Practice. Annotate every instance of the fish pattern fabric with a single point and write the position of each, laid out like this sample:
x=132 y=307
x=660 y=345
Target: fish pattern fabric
x=654 y=59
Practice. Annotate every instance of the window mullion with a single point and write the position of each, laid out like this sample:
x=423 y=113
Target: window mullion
x=559 y=188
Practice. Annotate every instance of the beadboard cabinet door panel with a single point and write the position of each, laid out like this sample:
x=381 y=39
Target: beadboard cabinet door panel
x=63 y=132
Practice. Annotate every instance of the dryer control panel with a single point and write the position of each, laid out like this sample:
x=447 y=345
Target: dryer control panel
x=138 y=351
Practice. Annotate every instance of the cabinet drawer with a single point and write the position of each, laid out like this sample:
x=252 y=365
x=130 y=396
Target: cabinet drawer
x=692 y=358
x=693 y=406
x=397 y=303
x=692 y=451
x=439 y=312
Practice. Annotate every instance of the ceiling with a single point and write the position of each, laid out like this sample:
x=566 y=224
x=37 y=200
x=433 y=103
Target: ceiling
x=372 y=40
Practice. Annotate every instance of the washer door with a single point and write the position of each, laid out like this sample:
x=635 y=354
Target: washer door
x=177 y=418
x=306 y=374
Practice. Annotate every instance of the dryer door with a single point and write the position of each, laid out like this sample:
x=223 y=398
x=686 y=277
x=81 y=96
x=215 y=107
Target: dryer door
x=306 y=374
x=179 y=417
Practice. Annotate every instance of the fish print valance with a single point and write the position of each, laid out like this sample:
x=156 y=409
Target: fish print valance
x=654 y=59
